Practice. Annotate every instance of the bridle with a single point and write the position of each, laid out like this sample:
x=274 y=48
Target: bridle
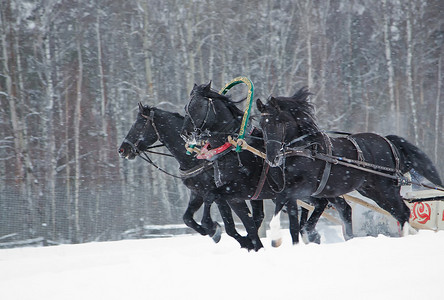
x=281 y=143
x=149 y=119
x=198 y=130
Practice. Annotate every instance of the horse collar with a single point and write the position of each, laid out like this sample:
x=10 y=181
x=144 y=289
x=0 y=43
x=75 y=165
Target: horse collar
x=214 y=154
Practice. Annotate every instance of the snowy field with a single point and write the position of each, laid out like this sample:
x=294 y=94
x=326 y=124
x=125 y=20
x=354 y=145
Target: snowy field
x=193 y=267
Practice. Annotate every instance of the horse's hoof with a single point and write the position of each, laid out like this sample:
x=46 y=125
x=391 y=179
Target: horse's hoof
x=256 y=249
x=348 y=237
x=407 y=229
x=246 y=243
x=276 y=243
x=217 y=233
x=257 y=245
x=311 y=237
x=316 y=238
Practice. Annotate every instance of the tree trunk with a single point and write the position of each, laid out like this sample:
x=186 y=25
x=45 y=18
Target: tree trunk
x=410 y=93
x=8 y=37
x=438 y=134
x=49 y=131
x=388 y=57
x=308 y=45
x=147 y=51
x=104 y=124
x=30 y=180
x=77 y=120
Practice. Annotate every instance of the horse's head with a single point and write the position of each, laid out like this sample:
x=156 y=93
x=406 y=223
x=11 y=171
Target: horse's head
x=206 y=113
x=141 y=135
x=273 y=122
x=282 y=120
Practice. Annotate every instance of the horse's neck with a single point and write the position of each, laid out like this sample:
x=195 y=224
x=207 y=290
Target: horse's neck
x=168 y=126
x=301 y=139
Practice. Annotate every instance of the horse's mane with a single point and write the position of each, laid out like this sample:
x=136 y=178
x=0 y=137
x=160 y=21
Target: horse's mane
x=299 y=107
x=151 y=107
x=204 y=91
x=176 y=114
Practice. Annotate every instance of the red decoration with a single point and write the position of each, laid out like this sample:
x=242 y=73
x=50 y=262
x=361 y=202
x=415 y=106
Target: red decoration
x=421 y=212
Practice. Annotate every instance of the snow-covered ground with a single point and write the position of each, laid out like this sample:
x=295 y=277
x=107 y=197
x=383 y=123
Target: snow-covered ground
x=193 y=267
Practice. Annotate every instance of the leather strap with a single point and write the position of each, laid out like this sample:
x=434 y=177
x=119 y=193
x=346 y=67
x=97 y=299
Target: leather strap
x=358 y=149
x=261 y=182
x=327 y=168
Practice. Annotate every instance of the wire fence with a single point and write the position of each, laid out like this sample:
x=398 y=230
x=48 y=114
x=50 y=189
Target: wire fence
x=102 y=212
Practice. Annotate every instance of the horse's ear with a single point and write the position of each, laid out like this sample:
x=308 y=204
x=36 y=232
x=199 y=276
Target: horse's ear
x=140 y=107
x=207 y=88
x=193 y=89
x=260 y=106
x=272 y=101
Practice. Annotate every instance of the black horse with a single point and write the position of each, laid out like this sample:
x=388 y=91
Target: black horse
x=212 y=117
x=152 y=125
x=314 y=164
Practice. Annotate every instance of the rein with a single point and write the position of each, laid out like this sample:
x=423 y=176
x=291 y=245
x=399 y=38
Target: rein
x=148 y=159
x=155 y=152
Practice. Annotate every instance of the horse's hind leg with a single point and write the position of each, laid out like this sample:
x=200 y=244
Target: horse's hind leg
x=387 y=196
x=345 y=213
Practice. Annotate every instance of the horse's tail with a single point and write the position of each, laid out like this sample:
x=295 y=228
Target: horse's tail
x=414 y=158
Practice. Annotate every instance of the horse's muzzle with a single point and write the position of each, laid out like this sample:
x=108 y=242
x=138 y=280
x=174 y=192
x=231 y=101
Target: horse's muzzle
x=126 y=151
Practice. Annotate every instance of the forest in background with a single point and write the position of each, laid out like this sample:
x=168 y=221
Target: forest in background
x=72 y=73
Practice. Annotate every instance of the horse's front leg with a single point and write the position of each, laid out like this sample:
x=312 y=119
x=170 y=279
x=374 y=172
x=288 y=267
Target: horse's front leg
x=345 y=213
x=230 y=227
x=212 y=228
x=257 y=207
x=304 y=217
x=308 y=231
x=292 y=211
x=275 y=224
x=239 y=206
x=194 y=204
